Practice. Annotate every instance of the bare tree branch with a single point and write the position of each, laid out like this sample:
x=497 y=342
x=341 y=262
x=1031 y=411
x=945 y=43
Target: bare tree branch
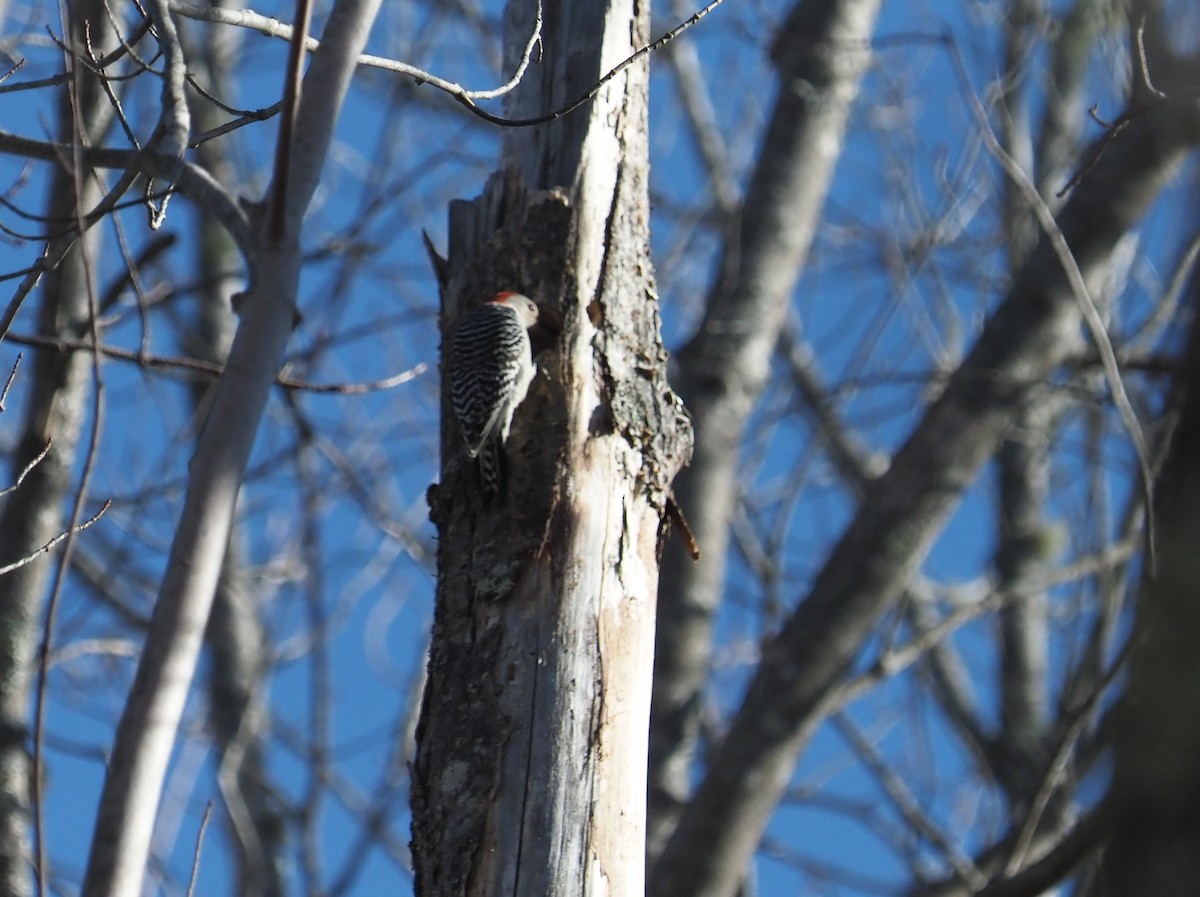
x=147 y=730
x=1019 y=347
x=78 y=528
x=821 y=55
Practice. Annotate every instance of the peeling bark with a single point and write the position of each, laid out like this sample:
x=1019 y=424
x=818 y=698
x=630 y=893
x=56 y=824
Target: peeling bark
x=530 y=769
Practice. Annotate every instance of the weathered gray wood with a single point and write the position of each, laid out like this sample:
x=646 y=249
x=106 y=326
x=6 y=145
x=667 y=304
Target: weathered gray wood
x=530 y=770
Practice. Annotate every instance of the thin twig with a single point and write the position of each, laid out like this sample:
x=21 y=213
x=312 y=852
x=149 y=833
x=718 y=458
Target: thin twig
x=353 y=389
x=191 y=888
x=1114 y=131
x=79 y=57
x=1056 y=772
x=34 y=555
x=212 y=369
x=598 y=86
x=148 y=253
x=56 y=80
x=127 y=46
x=1139 y=40
x=28 y=467
x=685 y=532
x=106 y=83
x=66 y=225
x=466 y=98
x=535 y=38
x=896 y=660
x=906 y=803
x=1040 y=876
x=30 y=280
x=1079 y=290
x=194 y=182
x=17 y=66
x=12 y=375
x=246 y=118
x=222 y=105
x=244 y=18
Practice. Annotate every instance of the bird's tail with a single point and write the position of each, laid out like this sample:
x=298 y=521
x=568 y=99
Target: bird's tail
x=491 y=470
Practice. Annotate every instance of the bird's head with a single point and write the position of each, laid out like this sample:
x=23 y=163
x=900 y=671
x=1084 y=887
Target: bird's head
x=527 y=310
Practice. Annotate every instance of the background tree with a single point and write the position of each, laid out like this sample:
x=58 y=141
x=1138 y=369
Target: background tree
x=913 y=368
x=1152 y=804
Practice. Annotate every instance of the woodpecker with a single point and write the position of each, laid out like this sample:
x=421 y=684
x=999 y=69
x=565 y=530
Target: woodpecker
x=491 y=366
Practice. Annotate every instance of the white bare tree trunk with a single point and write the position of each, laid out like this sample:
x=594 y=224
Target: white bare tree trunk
x=146 y=733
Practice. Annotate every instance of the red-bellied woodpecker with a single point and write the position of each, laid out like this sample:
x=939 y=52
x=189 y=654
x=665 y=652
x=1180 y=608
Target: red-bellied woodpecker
x=491 y=366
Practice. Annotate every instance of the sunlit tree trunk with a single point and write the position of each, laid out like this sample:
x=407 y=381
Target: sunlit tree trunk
x=530 y=772
x=236 y=638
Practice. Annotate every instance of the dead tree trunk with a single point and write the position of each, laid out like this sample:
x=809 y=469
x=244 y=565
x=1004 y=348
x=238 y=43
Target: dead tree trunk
x=530 y=770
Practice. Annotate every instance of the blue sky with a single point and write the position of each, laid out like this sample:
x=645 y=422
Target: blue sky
x=409 y=151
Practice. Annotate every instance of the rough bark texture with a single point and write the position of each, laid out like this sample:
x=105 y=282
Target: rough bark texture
x=904 y=510
x=530 y=770
x=821 y=54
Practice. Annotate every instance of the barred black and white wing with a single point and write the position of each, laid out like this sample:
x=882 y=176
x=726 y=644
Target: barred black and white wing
x=489 y=351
